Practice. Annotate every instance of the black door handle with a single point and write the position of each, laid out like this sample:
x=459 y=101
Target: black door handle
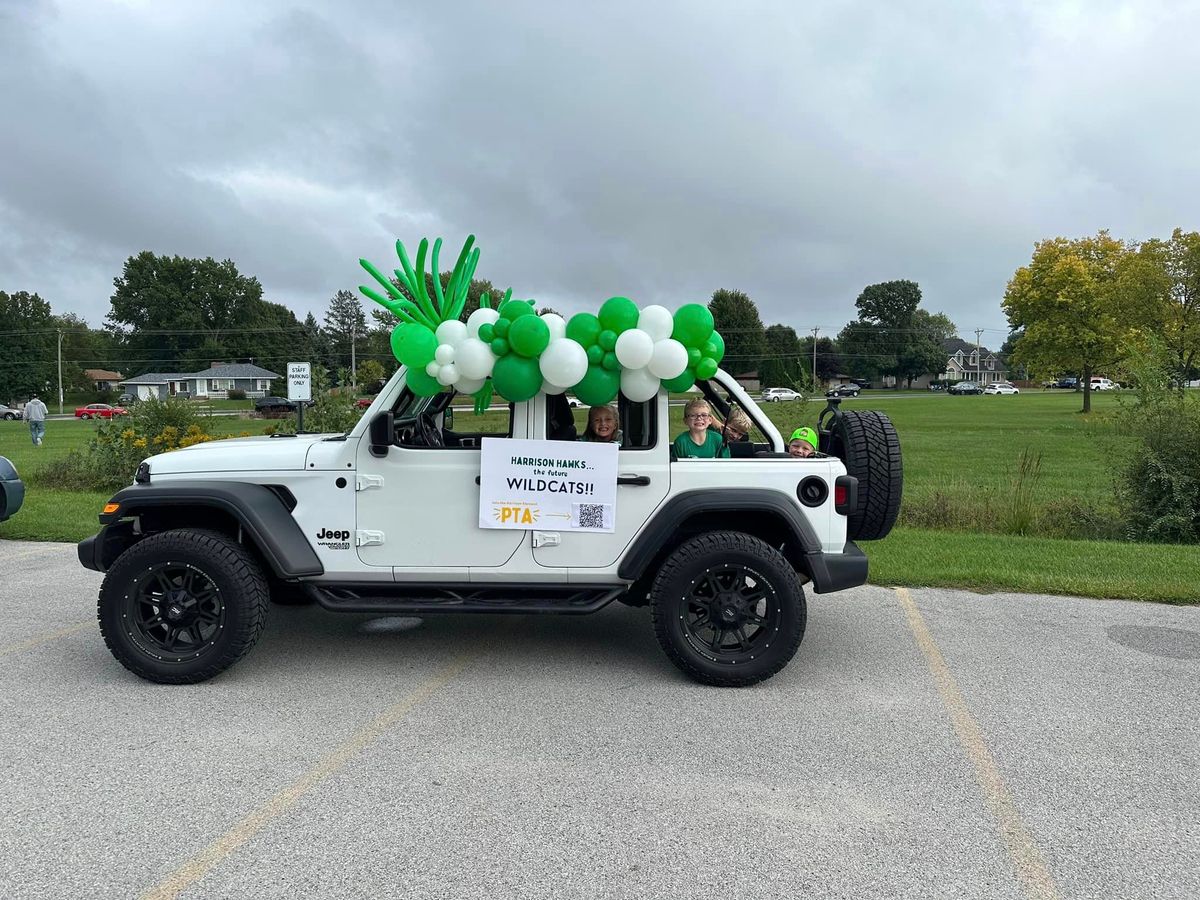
x=639 y=480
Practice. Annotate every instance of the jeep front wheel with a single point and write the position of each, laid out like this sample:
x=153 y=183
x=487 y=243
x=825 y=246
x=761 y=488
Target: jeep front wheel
x=728 y=609
x=182 y=606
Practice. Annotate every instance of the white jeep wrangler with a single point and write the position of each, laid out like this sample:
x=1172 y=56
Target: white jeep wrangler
x=384 y=519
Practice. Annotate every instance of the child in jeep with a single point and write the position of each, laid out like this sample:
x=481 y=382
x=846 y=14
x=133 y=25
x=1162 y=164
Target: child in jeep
x=698 y=442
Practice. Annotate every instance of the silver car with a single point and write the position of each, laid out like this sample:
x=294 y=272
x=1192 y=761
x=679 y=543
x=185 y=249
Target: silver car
x=7 y=412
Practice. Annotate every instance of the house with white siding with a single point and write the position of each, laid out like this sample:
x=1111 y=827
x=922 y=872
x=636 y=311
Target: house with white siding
x=214 y=383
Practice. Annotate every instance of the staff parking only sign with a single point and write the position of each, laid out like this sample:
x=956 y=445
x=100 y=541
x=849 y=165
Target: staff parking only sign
x=552 y=485
x=299 y=381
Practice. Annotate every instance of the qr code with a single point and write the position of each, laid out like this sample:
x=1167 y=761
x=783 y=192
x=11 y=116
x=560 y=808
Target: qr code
x=590 y=515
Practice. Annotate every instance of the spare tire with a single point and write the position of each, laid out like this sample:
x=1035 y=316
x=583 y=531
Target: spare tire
x=867 y=443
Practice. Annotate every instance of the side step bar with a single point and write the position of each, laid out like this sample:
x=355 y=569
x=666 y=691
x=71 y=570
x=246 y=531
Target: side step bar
x=466 y=598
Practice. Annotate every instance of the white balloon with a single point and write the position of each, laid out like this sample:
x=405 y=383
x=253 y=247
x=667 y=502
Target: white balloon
x=638 y=385
x=467 y=385
x=432 y=369
x=474 y=358
x=443 y=355
x=481 y=316
x=448 y=374
x=634 y=349
x=548 y=388
x=669 y=360
x=451 y=332
x=563 y=362
x=657 y=322
x=556 y=324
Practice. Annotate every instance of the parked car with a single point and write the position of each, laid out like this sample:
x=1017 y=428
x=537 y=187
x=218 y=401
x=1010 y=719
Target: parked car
x=99 y=411
x=777 y=394
x=273 y=407
x=127 y=398
x=1103 y=384
x=1001 y=387
x=7 y=412
x=1070 y=383
x=843 y=390
x=574 y=403
x=363 y=402
x=965 y=387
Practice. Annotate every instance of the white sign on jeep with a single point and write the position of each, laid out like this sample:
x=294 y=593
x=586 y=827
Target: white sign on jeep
x=555 y=485
x=299 y=380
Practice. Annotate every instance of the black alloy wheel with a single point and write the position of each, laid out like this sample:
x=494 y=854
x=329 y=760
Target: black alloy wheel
x=174 y=611
x=179 y=607
x=728 y=609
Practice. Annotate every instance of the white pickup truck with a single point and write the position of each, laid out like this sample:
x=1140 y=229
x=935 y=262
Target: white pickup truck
x=719 y=549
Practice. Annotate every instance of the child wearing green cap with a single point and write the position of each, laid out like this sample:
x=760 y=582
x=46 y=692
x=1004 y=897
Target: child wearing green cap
x=803 y=442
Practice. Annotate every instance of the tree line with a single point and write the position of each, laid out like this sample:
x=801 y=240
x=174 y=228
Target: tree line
x=177 y=314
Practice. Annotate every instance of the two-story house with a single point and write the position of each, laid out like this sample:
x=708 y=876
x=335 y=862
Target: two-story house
x=965 y=362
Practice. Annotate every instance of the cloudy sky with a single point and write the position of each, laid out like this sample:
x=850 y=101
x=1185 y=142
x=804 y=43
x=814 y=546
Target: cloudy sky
x=658 y=150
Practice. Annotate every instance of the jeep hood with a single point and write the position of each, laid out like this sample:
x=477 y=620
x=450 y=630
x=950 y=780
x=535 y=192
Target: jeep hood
x=253 y=454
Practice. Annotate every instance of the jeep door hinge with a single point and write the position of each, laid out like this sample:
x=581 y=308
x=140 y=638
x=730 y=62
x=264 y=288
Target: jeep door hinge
x=366 y=482
x=363 y=538
x=546 y=539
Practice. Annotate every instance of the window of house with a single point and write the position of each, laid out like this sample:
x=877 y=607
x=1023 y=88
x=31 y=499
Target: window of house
x=220 y=384
x=264 y=384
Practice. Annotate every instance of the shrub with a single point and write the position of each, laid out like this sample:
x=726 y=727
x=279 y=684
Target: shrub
x=236 y=394
x=151 y=416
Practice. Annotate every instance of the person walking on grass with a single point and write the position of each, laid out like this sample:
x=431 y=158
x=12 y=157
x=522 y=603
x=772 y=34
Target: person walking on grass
x=35 y=415
x=698 y=442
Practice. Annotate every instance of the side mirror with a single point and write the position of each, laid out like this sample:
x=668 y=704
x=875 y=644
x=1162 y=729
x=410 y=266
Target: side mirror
x=382 y=433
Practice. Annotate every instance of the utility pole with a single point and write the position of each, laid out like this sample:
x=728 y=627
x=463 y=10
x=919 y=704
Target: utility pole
x=353 y=367
x=814 y=332
x=978 y=359
x=60 y=391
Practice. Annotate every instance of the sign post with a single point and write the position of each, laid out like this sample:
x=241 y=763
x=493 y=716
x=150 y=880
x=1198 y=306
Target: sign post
x=299 y=381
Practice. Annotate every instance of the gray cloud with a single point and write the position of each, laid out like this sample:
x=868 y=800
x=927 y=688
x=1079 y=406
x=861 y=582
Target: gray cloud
x=658 y=150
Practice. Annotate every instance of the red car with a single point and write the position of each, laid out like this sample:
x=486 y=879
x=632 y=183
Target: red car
x=99 y=411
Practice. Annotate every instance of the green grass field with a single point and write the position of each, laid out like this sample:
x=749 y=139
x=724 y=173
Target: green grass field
x=968 y=447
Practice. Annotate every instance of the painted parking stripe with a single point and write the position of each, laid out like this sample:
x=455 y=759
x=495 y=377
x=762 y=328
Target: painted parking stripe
x=1027 y=859
x=212 y=855
x=44 y=638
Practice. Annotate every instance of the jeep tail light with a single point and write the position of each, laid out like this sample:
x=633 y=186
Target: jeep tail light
x=845 y=495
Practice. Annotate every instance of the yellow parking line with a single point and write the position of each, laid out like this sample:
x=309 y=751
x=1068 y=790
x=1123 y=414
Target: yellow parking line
x=44 y=638
x=212 y=855
x=1026 y=858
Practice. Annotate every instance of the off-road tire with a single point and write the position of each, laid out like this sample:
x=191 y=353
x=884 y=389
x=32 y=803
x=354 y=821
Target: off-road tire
x=870 y=448
x=236 y=579
x=673 y=600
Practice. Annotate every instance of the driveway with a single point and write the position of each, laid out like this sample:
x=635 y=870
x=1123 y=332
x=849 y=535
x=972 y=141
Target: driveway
x=923 y=743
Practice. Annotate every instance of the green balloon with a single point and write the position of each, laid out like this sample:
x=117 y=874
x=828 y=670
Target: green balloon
x=516 y=378
x=515 y=309
x=421 y=384
x=610 y=362
x=706 y=368
x=583 y=329
x=486 y=332
x=529 y=335
x=599 y=386
x=694 y=357
x=680 y=382
x=717 y=343
x=693 y=325
x=414 y=345
x=607 y=339
x=499 y=346
x=500 y=328
x=595 y=355
x=618 y=314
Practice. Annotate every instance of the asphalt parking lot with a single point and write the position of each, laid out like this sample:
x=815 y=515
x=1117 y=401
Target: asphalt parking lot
x=923 y=743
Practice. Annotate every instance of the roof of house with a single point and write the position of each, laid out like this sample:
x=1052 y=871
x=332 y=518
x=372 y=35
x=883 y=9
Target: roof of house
x=232 y=370
x=102 y=375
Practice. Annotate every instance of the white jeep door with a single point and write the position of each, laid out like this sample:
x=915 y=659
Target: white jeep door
x=418 y=506
x=643 y=482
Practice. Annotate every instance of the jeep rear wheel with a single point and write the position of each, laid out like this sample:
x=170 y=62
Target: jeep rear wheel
x=867 y=443
x=182 y=606
x=728 y=609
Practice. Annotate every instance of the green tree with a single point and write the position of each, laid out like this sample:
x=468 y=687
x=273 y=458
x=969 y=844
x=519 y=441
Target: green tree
x=736 y=317
x=866 y=350
x=783 y=362
x=1164 y=277
x=829 y=363
x=29 y=361
x=893 y=336
x=345 y=326
x=922 y=350
x=1068 y=302
x=171 y=313
x=369 y=372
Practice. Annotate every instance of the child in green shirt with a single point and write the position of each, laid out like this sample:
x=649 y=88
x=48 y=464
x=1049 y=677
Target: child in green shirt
x=698 y=442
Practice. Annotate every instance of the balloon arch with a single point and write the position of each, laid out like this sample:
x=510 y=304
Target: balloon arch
x=514 y=351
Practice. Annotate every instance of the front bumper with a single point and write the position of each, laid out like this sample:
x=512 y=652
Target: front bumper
x=837 y=571
x=89 y=552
